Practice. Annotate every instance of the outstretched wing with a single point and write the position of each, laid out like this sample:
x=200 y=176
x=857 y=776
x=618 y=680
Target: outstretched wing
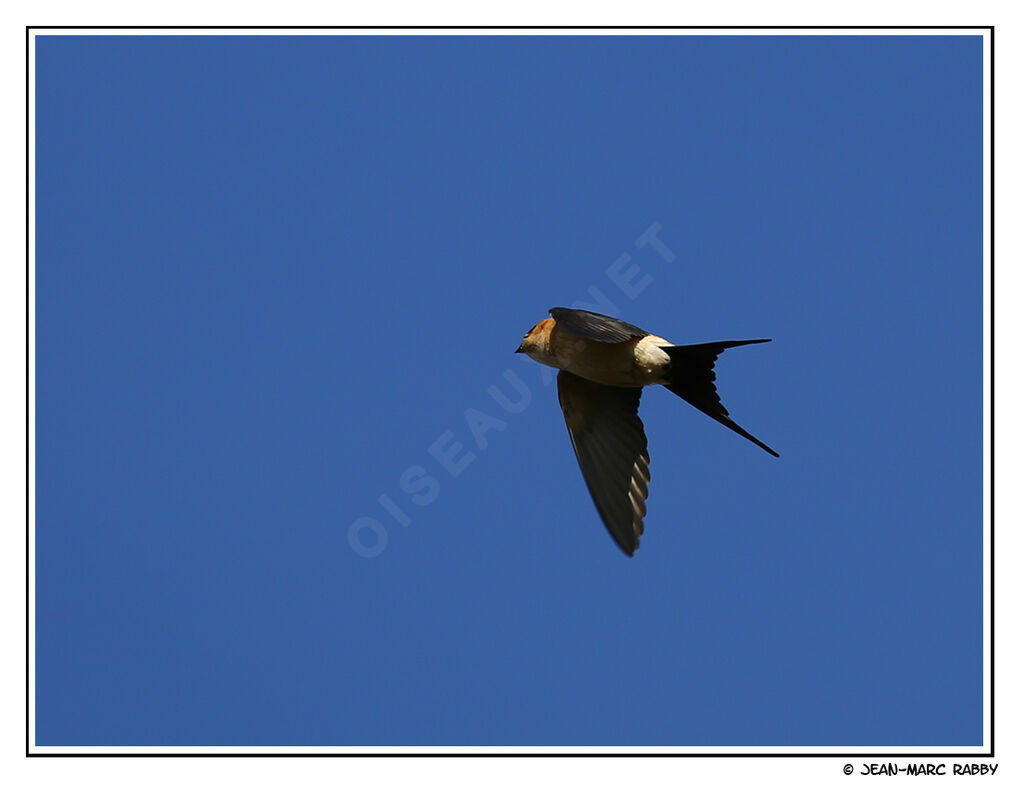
x=611 y=448
x=597 y=327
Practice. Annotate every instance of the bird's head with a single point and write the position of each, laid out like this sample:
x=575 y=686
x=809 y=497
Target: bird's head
x=537 y=342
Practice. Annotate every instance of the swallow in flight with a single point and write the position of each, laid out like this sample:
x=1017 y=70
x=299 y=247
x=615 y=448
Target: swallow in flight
x=603 y=365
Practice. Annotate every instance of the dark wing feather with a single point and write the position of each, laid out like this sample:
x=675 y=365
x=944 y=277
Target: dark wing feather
x=611 y=448
x=597 y=327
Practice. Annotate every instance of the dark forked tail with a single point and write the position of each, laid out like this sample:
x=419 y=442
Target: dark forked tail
x=693 y=379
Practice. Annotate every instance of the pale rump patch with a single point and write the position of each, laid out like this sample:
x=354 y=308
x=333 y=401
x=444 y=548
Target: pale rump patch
x=652 y=362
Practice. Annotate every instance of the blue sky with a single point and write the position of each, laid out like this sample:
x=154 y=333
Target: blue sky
x=272 y=273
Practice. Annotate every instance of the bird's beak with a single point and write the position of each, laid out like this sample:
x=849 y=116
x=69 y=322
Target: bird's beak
x=520 y=349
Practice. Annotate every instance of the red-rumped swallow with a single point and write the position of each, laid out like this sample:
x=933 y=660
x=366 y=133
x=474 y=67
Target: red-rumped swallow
x=603 y=364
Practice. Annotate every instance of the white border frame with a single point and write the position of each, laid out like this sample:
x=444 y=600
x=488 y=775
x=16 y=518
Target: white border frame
x=854 y=751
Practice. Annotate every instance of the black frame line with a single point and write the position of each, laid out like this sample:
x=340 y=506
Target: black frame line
x=768 y=755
